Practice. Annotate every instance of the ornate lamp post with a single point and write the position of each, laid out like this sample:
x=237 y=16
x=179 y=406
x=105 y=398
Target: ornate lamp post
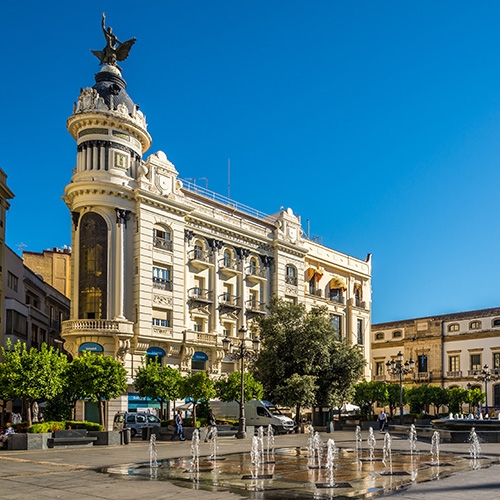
x=486 y=375
x=397 y=367
x=241 y=352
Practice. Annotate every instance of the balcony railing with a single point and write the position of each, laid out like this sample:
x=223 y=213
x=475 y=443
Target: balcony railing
x=379 y=378
x=315 y=291
x=291 y=280
x=257 y=271
x=228 y=300
x=231 y=264
x=336 y=298
x=162 y=284
x=200 y=294
x=101 y=326
x=423 y=375
x=200 y=256
x=162 y=243
x=255 y=306
x=457 y=374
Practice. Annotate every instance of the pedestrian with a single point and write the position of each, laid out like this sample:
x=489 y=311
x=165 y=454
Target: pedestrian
x=382 y=420
x=211 y=426
x=8 y=431
x=178 y=427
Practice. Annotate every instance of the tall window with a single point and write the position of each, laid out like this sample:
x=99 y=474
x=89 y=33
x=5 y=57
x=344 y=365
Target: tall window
x=454 y=363
x=93 y=269
x=162 y=238
x=336 y=295
x=475 y=361
x=379 y=368
x=336 y=320
x=161 y=318
x=228 y=257
x=422 y=363
x=12 y=282
x=496 y=361
x=360 y=331
x=162 y=278
x=291 y=275
x=252 y=266
x=496 y=395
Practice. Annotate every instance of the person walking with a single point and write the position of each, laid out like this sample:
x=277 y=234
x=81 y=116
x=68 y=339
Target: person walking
x=8 y=432
x=211 y=426
x=382 y=420
x=178 y=427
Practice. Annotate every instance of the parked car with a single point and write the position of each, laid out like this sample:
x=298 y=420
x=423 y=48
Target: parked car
x=135 y=422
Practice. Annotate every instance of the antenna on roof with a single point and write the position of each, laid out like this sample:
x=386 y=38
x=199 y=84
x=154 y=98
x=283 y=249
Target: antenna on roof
x=229 y=178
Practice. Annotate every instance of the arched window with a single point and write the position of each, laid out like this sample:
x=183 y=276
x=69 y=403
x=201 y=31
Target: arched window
x=454 y=327
x=252 y=266
x=397 y=334
x=162 y=237
x=496 y=322
x=379 y=336
x=228 y=258
x=93 y=268
x=199 y=249
x=475 y=325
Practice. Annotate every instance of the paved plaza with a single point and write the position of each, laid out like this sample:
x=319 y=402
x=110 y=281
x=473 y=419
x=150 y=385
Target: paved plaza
x=73 y=473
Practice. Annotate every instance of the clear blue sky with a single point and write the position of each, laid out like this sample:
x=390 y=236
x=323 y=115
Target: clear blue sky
x=377 y=121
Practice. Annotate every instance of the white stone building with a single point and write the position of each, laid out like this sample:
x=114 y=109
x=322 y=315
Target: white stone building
x=161 y=267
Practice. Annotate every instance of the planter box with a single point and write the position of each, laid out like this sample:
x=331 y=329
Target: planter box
x=29 y=441
x=105 y=438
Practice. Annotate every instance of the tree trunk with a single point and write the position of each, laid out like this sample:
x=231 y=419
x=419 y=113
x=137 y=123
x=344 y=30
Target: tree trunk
x=162 y=414
x=27 y=404
x=297 y=418
x=101 y=411
x=194 y=415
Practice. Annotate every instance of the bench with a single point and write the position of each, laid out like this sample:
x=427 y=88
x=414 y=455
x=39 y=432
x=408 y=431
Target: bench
x=71 y=438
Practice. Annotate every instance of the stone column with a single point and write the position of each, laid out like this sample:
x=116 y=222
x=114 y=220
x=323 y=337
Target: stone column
x=122 y=216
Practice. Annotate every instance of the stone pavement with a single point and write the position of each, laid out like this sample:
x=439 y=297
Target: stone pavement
x=73 y=472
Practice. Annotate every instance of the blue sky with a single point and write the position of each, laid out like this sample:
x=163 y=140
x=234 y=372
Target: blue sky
x=379 y=122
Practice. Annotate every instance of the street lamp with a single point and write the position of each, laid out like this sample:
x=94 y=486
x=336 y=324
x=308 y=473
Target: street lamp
x=397 y=367
x=486 y=375
x=241 y=352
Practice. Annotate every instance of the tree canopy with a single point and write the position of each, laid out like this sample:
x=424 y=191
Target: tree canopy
x=301 y=361
x=158 y=382
x=31 y=375
x=229 y=389
x=197 y=386
x=97 y=378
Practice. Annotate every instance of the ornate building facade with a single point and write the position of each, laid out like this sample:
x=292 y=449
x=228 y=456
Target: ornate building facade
x=448 y=349
x=164 y=268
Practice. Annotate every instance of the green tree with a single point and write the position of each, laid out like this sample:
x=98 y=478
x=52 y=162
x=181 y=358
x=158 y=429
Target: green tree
x=438 y=396
x=34 y=374
x=458 y=396
x=229 y=388
x=419 y=397
x=161 y=383
x=337 y=379
x=393 y=392
x=475 y=397
x=197 y=386
x=97 y=379
x=367 y=393
x=305 y=344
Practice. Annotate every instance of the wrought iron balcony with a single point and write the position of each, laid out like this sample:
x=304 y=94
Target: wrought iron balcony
x=456 y=374
x=315 y=291
x=336 y=298
x=162 y=284
x=230 y=265
x=254 y=306
x=256 y=272
x=227 y=300
x=197 y=294
x=200 y=258
x=162 y=243
x=291 y=280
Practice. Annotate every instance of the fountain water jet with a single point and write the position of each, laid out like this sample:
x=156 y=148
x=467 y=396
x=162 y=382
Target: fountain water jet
x=153 y=451
x=371 y=443
x=270 y=444
x=412 y=438
x=435 y=444
x=195 y=450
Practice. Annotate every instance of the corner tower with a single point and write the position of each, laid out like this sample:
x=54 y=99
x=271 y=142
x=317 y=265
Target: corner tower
x=111 y=136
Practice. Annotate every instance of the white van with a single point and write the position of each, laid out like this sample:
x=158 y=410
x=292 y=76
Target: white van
x=257 y=413
x=135 y=422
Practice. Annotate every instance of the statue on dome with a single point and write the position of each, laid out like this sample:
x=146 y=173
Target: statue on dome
x=114 y=50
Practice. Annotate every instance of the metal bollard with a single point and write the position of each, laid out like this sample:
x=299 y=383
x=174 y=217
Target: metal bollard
x=125 y=436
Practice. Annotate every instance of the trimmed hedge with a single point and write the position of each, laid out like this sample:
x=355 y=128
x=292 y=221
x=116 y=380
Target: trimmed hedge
x=52 y=426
